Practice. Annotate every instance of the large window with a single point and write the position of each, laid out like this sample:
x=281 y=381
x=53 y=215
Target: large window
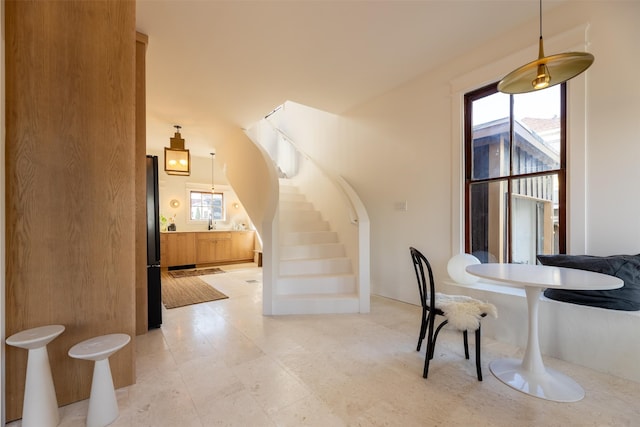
x=515 y=174
x=206 y=205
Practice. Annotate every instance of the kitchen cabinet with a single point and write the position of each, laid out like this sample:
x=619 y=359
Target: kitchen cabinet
x=206 y=247
x=213 y=247
x=242 y=245
x=178 y=249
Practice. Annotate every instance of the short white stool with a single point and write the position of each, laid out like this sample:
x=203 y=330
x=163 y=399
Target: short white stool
x=103 y=406
x=40 y=407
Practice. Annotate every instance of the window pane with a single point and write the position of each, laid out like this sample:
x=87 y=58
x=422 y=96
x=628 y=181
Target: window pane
x=512 y=215
x=197 y=213
x=205 y=206
x=490 y=136
x=217 y=207
x=488 y=207
x=537 y=131
x=534 y=218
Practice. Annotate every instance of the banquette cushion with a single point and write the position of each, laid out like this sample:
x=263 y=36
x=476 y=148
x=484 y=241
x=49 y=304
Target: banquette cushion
x=625 y=267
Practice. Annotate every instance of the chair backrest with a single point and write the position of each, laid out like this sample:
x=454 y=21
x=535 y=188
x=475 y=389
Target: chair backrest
x=426 y=288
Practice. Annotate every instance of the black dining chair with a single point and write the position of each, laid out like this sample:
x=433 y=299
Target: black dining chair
x=431 y=308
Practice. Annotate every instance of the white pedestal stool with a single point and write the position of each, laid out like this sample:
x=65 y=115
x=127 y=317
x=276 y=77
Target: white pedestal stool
x=103 y=406
x=40 y=407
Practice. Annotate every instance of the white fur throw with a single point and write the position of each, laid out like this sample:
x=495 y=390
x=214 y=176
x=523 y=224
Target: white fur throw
x=464 y=312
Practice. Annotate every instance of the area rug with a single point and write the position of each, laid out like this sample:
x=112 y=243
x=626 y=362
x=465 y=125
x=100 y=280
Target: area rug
x=186 y=291
x=199 y=272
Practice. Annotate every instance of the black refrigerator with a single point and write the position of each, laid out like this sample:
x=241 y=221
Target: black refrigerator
x=154 y=284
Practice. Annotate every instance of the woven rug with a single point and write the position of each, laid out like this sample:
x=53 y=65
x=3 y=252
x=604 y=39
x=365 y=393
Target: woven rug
x=186 y=291
x=199 y=272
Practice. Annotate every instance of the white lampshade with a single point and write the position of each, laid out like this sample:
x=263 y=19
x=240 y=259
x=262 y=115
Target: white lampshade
x=456 y=268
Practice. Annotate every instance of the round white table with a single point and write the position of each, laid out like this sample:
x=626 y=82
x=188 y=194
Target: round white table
x=529 y=375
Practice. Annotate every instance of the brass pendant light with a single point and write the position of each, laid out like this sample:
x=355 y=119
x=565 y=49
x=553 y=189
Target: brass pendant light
x=546 y=71
x=177 y=160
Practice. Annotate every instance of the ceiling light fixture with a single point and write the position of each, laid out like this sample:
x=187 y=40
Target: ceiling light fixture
x=177 y=160
x=546 y=71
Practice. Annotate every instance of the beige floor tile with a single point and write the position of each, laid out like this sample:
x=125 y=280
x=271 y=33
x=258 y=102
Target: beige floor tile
x=223 y=363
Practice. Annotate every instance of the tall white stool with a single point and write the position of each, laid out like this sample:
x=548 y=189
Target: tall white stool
x=103 y=405
x=40 y=407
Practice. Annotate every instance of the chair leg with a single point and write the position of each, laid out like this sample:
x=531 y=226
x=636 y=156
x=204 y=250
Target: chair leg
x=423 y=328
x=435 y=338
x=431 y=342
x=425 y=372
x=465 y=337
x=478 y=364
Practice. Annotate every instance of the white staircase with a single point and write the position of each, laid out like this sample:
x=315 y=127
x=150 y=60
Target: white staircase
x=315 y=275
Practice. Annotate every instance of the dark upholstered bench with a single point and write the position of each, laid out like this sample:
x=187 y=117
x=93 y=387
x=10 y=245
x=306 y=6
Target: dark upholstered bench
x=625 y=267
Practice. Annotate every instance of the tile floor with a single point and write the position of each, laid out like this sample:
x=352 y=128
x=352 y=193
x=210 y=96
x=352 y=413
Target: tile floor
x=225 y=364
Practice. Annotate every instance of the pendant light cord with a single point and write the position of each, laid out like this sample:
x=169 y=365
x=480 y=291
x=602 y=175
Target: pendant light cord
x=212 y=157
x=540 y=18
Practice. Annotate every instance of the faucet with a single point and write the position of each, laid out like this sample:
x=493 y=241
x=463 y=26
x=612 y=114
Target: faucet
x=212 y=225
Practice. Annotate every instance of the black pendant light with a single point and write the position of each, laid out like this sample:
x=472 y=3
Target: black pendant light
x=546 y=71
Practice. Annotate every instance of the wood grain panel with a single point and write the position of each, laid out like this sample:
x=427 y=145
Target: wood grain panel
x=242 y=245
x=142 y=318
x=181 y=248
x=70 y=178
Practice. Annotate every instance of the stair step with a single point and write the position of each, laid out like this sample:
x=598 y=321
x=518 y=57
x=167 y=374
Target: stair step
x=320 y=284
x=288 y=238
x=302 y=225
x=315 y=266
x=296 y=216
x=316 y=304
x=294 y=197
x=322 y=250
x=295 y=205
x=287 y=187
x=312 y=251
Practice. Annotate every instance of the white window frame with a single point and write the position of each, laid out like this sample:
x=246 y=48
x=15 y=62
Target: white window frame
x=206 y=188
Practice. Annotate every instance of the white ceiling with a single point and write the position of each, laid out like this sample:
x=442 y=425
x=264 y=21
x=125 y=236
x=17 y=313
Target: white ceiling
x=216 y=65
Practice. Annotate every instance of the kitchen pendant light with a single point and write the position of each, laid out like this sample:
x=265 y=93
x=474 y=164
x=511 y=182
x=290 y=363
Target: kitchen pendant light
x=546 y=71
x=177 y=160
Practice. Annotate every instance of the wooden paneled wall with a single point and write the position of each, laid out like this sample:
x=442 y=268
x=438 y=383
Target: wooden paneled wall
x=142 y=319
x=70 y=177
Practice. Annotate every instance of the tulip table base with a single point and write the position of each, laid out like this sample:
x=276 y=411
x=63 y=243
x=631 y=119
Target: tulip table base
x=529 y=375
x=549 y=384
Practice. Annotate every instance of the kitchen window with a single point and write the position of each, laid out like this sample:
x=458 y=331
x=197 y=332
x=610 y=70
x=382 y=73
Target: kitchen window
x=515 y=174
x=205 y=205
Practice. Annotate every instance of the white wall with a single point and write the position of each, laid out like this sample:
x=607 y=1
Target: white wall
x=613 y=131
x=398 y=147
